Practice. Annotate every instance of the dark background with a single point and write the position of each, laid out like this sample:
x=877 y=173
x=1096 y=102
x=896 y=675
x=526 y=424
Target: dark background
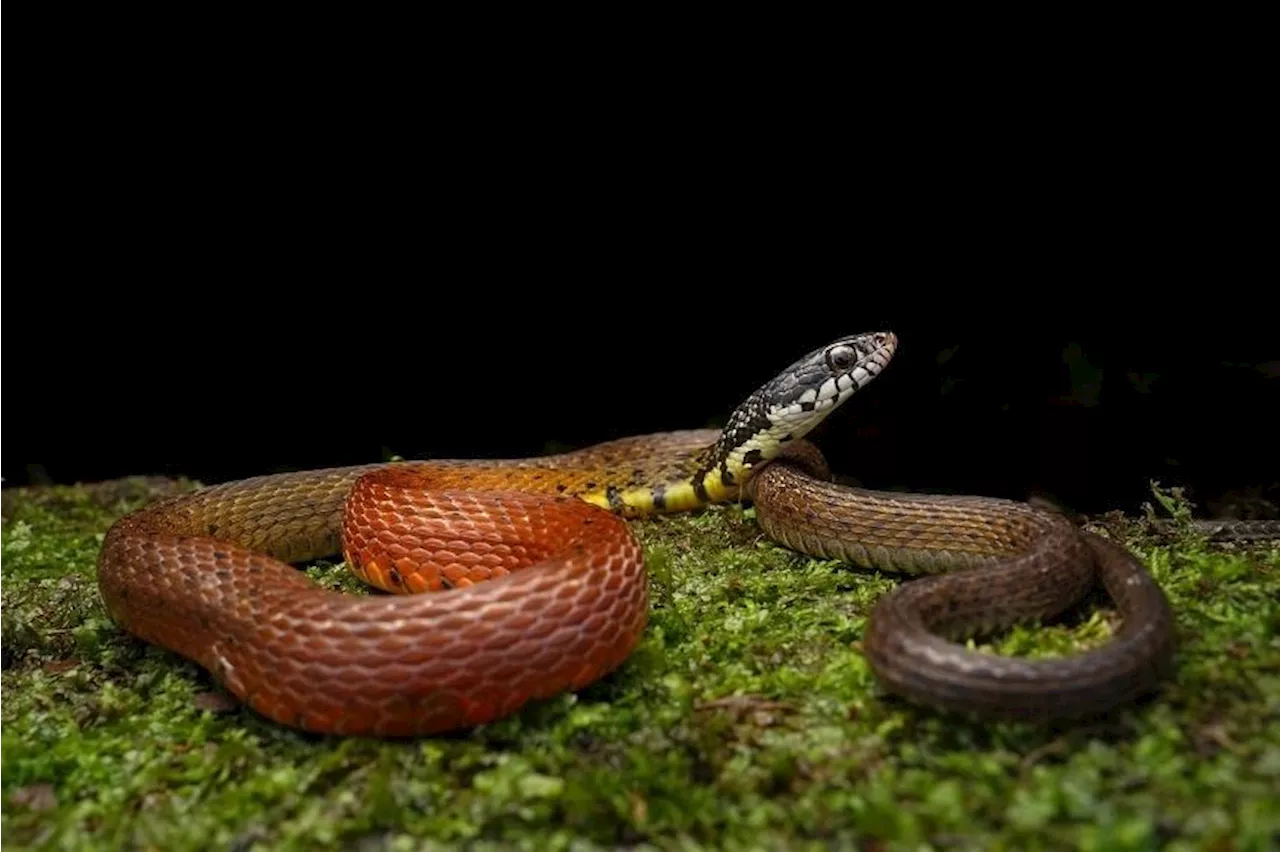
x=217 y=286
x=1061 y=391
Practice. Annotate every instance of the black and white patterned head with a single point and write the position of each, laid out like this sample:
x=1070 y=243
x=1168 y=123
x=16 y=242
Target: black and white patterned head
x=798 y=399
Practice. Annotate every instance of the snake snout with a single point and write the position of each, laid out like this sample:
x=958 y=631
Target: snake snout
x=881 y=345
x=874 y=352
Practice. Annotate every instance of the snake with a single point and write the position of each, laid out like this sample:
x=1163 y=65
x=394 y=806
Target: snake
x=541 y=581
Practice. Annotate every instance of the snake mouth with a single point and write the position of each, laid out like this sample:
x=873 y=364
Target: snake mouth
x=885 y=344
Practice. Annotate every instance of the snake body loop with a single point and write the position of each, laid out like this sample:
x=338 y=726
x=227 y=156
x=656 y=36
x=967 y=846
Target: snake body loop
x=1012 y=563
x=545 y=582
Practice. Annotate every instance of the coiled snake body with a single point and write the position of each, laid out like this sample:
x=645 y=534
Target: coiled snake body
x=547 y=584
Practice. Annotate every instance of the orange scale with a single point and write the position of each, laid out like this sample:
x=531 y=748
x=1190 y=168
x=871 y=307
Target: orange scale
x=554 y=607
x=454 y=624
x=456 y=575
x=316 y=719
x=564 y=671
x=419 y=555
x=586 y=674
x=273 y=707
x=374 y=574
x=426 y=580
x=407 y=566
x=586 y=595
x=521 y=622
x=594 y=623
x=333 y=631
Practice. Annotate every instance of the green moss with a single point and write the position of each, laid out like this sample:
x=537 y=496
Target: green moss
x=747 y=718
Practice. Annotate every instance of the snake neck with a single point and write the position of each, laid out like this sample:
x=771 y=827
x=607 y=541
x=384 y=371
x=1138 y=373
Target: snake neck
x=771 y=422
x=711 y=476
x=687 y=480
x=725 y=466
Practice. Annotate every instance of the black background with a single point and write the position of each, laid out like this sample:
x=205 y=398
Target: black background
x=218 y=288
x=1075 y=397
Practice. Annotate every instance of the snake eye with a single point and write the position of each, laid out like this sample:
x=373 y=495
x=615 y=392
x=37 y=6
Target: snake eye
x=840 y=358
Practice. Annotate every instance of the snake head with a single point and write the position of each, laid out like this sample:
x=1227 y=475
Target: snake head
x=811 y=388
x=794 y=402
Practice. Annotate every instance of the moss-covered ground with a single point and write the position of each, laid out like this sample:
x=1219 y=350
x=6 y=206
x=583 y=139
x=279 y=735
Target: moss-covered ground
x=747 y=718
